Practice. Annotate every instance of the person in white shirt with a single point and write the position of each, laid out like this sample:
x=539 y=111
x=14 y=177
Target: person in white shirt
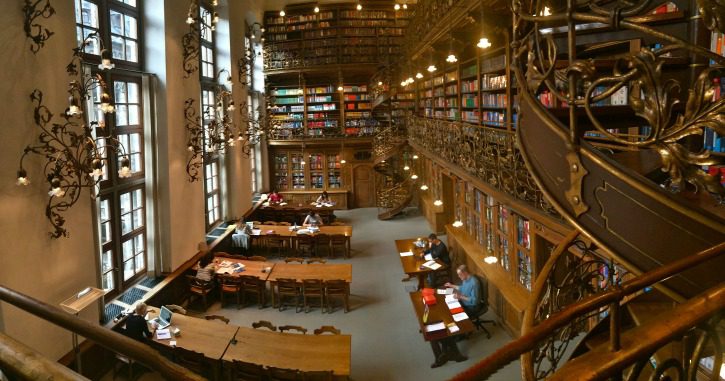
x=313 y=219
x=324 y=198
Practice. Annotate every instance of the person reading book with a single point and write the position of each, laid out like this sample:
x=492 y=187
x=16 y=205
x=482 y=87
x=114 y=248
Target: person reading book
x=437 y=250
x=313 y=219
x=468 y=292
x=324 y=198
x=274 y=197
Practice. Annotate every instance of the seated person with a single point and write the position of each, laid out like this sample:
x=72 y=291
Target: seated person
x=468 y=293
x=324 y=198
x=136 y=326
x=240 y=238
x=206 y=269
x=274 y=197
x=313 y=219
x=438 y=250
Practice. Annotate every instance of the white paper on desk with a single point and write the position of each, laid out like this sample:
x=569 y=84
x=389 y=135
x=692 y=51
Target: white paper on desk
x=454 y=304
x=256 y=231
x=435 y=327
x=460 y=316
x=444 y=291
x=451 y=298
x=433 y=265
x=172 y=343
x=428 y=257
x=453 y=328
x=282 y=203
x=406 y=254
x=163 y=334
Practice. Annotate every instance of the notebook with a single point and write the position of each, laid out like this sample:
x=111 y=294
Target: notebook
x=164 y=318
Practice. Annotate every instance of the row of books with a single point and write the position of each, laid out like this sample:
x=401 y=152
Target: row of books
x=282 y=92
x=326 y=15
x=319 y=99
x=283 y=109
x=297 y=27
x=358 y=114
x=468 y=71
x=469 y=100
x=452 y=90
x=469 y=86
x=321 y=89
x=493 y=100
x=322 y=123
x=355 y=89
x=438 y=81
x=493 y=82
x=322 y=107
x=451 y=76
x=357 y=106
x=356 y=97
x=287 y=101
x=368 y=122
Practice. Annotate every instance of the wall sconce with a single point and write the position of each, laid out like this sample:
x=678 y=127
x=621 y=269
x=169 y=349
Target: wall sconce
x=317 y=9
x=415 y=157
x=414 y=177
x=358 y=6
x=451 y=53
x=438 y=203
x=36 y=32
x=483 y=43
x=424 y=187
x=190 y=42
x=490 y=259
x=75 y=150
x=406 y=168
x=282 y=13
x=457 y=224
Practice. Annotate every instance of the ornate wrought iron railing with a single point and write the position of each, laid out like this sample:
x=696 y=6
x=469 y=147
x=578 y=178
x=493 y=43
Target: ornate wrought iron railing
x=387 y=141
x=695 y=316
x=487 y=153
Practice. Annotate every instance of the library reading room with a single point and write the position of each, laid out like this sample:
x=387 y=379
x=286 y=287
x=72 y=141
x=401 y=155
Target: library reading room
x=367 y=190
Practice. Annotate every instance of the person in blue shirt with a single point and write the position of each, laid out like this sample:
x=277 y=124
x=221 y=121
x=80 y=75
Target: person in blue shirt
x=468 y=292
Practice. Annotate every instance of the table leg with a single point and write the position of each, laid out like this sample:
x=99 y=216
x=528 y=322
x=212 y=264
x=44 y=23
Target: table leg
x=450 y=349
x=421 y=281
x=271 y=284
x=438 y=354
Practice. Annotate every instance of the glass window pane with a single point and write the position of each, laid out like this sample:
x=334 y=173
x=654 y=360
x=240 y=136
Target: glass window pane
x=130 y=26
x=130 y=2
x=89 y=14
x=133 y=92
x=126 y=226
x=106 y=261
x=104 y=210
x=138 y=219
x=121 y=115
x=125 y=203
x=131 y=51
x=135 y=143
x=116 y=22
x=133 y=115
x=117 y=48
x=107 y=281
x=105 y=232
x=128 y=269
x=135 y=163
x=127 y=250
x=139 y=263
x=138 y=242
x=120 y=92
x=137 y=199
x=93 y=46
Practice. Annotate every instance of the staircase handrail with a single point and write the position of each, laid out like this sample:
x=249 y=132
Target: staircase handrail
x=17 y=360
x=108 y=338
x=528 y=342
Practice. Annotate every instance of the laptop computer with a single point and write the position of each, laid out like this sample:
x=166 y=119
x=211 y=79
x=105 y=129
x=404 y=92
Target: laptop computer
x=164 y=318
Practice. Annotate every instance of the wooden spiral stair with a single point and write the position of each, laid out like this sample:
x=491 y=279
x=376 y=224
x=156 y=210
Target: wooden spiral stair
x=395 y=187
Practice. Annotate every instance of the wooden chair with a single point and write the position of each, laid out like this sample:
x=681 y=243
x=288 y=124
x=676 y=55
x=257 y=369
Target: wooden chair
x=326 y=329
x=273 y=223
x=313 y=288
x=280 y=374
x=305 y=246
x=124 y=361
x=230 y=285
x=317 y=375
x=257 y=258
x=294 y=259
x=316 y=260
x=264 y=324
x=339 y=241
x=255 y=286
x=283 y=223
x=337 y=224
x=322 y=243
x=337 y=288
x=199 y=288
x=194 y=361
x=245 y=371
x=176 y=309
x=275 y=241
x=217 y=317
x=284 y=328
x=286 y=289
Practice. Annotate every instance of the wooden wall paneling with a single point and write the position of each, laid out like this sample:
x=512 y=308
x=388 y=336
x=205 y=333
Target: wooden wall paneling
x=363 y=186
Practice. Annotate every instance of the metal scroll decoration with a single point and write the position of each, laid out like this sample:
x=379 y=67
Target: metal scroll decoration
x=37 y=33
x=191 y=41
x=76 y=153
x=195 y=140
x=653 y=96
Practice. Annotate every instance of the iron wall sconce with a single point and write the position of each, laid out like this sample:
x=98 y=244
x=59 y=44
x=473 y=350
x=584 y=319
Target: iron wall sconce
x=36 y=32
x=191 y=41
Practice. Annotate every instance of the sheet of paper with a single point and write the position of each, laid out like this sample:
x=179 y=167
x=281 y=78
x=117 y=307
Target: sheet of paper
x=453 y=328
x=451 y=298
x=256 y=231
x=435 y=266
x=172 y=343
x=163 y=334
x=435 y=327
x=282 y=203
x=454 y=304
x=428 y=257
x=460 y=316
x=444 y=291
x=406 y=254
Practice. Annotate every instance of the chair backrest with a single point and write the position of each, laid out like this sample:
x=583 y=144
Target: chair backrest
x=294 y=259
x=338 y=239
x=483 y=294
x=191 y=360
x=217 y=317
x=176 y=309
x=327 y=329
x=228 y=280
x=264 y=324
x=257 y=258
x=297 y=328
x=270 y=223
x=249 y=281
x=316 y=260
x=312 y=285
x=287 y=285
x=336 y=286
x=322 y=238
x=197 y=285
x=280 y=374
x=284 y=223
x=317 y=375
x=245 y=371
x=305 y=239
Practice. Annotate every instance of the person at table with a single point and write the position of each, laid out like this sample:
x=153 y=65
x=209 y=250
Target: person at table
x=438 y=250
x=136 y=326
x=274 y=197
x=324 y=198
x=313 y=219
x=206 y=269
x=240 y=238
x=468 y=292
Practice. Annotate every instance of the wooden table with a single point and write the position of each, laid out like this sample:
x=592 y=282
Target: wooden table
x=294 y=214
x=300 y=272
x=413 y=264
x=256 y=269
x=442 y=341
x=292 y=350
x=204 y=336
x=284 y=231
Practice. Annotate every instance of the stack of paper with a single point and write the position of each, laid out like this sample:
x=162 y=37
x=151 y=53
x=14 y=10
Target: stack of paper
x=433 y=265
x=460 y=316
x=444 y=291
x=406 y=254
x=435 y=327
x=453 y=328
x=162 y=334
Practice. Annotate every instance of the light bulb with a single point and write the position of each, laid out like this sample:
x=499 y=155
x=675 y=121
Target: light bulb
x=483 y=43
x=380 y=83
x=403 y=83
x=343 y=161
x=359 y=6
x=302 y=162
x=415 y=157
x=189 y=20
x=424 y=187
x=451 y=58
x=282 y=13
x=490 y=259
x=397 y=6
x=340 y=88
x=457 y=224
x=406 y=168
x=546 y=12
x=405 y=6
x=437 y=202
x=414 y=177
x=432 y=68
x=317 y=9
x=419 y=75
x=410 y=80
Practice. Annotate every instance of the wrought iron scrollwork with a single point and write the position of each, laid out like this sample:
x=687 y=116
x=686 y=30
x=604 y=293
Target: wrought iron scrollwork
x=195 y=140
x=37 y=33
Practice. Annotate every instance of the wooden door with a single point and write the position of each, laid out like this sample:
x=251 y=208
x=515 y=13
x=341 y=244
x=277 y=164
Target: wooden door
x=364 y=186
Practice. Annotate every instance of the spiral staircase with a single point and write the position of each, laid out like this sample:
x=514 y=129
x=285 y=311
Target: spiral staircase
x=395 y=187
